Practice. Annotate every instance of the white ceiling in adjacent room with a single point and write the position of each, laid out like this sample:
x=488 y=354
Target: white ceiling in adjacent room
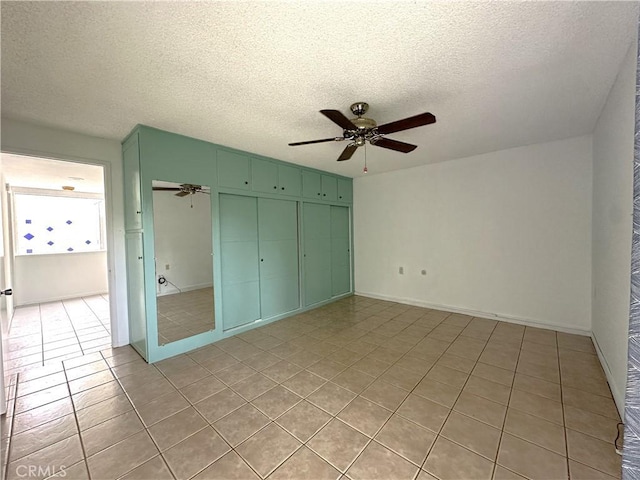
x=44 y=173
x=253 y=75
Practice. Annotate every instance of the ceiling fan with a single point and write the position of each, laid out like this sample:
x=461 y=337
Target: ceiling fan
x=183 y=190
x=361 y=130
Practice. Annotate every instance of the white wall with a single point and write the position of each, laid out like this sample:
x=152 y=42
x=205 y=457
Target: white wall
x=182 y=240
x=29 y=139
x=504 y=234
x=45 y=278
x=612 y=224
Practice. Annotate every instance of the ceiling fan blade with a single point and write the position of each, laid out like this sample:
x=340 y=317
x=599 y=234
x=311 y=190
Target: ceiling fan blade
x=337 y=117
x=347 y=153
x=334 y=139
x=393 y=145
x=182 y=194
x=407 y=123
x=167 y=189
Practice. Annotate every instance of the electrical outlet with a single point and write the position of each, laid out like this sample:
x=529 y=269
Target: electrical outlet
x=167 y=267
x=423 y=272
x=401 y=270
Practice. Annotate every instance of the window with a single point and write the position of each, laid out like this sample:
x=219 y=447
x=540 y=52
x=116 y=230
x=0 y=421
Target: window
x=58 y=224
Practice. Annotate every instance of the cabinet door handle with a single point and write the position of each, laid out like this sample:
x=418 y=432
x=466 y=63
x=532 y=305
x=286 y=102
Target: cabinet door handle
x=340 y=196
x=139 y=258
x=246 y=183
x=262 y=259
x=324 y=194
x=282 y=188
x=318 y=193
x=138 y=211
x=275 y=186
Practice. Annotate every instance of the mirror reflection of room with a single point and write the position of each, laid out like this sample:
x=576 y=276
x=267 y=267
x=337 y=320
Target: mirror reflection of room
x=183 y=258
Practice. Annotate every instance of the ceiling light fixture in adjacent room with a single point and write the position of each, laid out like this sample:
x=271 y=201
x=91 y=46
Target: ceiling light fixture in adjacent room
x=68 y=188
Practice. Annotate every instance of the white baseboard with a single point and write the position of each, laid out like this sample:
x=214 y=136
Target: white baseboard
x=58 y=299
x=174 y=290
x=475 y=313
x=616 y=391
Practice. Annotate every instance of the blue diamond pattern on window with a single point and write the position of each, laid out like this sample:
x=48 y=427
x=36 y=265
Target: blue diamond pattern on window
x=27 y=221
x=49 y=243
x=50 y=228
x=69 y=249
x=28 y=236
x=69 y=222
x=29 y=250
x=88 y=242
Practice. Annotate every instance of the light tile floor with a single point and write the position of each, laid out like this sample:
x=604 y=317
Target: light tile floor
x=358 y=389
x=51 y=332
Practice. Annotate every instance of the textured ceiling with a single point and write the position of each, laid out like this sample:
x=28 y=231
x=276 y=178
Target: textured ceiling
x=253 y=75
x=32 y=172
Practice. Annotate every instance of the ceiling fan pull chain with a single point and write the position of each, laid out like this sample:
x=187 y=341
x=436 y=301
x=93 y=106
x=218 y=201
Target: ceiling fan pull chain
x=365 y=159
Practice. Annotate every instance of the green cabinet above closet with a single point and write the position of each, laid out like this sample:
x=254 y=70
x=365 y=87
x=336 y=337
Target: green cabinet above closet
x=270 y=177
x=233 y=170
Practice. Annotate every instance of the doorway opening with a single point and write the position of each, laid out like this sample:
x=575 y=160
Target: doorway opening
x=55 y=260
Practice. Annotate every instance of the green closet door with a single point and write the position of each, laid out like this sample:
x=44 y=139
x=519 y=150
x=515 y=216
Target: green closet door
x=340 y=246
x=279 y=278
x=135 y=280
x=239 y=262
x=317 y=252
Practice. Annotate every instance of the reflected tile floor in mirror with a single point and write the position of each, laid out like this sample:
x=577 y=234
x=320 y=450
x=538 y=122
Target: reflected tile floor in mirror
x=182 y=315
x=358 y=389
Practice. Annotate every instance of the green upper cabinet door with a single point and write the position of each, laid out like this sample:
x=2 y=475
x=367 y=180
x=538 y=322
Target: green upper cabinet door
x=289 y=181
x=239 y=260
x=132 y=199
x=264 y=176
x=345 y=190
x=279 y=272
x=340 y=251
x=311 y=186
x=329 y=188
x=233 y=170
x=317 y=252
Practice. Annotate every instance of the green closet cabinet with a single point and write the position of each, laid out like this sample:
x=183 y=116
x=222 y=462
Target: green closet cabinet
x=319 y=187
x=329 y=187
x=345 y=190
x=239 y=260
x=280 y=237
x=136 y=293
x=340 y=251
x=259 y=250
x=233 y=170
x=269 y=177
x=131 y=172
x=311 y=185
x=317 y=252
x=279 y=277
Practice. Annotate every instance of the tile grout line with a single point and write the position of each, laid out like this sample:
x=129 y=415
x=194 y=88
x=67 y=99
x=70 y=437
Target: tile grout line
x=144 y=426
x=75 y=415
x=438 y=434
x=506 y=413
